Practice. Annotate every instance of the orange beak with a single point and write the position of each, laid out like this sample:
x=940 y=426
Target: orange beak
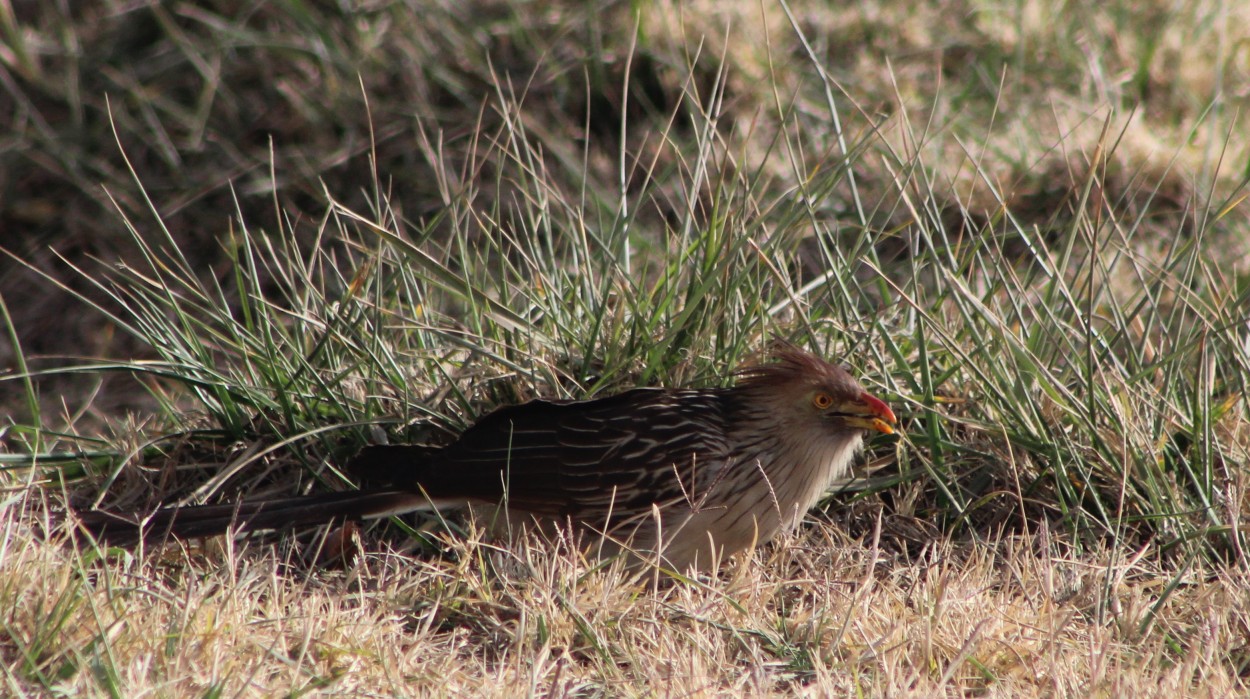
x=869 y=413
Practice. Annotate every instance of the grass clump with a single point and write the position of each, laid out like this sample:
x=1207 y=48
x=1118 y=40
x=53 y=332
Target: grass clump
x=1057 y=313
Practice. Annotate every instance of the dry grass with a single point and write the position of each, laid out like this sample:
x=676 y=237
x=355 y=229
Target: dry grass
x=1024 y=224
x=817 y=613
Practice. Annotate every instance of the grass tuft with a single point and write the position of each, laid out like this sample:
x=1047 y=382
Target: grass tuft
x=326 y=225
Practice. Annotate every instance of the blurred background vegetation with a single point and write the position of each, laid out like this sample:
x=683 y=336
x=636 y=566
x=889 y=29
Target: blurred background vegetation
x=216 y=104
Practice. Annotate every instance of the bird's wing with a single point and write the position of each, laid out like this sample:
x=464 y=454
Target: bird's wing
x=583 y=459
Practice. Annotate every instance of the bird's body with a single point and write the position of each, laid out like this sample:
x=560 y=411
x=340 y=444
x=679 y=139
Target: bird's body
x=690 y=475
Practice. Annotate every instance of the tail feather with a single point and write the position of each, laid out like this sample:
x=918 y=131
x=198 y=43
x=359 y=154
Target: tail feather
x=274 y=513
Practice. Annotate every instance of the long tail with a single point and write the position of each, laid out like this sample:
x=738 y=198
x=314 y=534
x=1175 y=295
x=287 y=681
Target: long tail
x=275 y=513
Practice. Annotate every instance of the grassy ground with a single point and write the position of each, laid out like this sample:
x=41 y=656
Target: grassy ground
x=1023 y=225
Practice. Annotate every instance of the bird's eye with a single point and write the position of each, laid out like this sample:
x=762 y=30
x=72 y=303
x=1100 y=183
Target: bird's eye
x=822 y=400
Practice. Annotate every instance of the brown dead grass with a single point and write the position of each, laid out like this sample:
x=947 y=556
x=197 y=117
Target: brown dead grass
x=1002 y=108
x=816 y=614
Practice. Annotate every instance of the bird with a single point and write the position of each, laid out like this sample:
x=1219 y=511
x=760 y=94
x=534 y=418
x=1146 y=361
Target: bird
x=682 y=476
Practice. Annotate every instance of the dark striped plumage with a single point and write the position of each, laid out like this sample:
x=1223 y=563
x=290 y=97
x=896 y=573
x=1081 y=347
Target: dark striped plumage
x=691 y=474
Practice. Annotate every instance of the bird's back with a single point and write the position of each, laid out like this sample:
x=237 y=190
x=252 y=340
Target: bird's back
x=584 y=460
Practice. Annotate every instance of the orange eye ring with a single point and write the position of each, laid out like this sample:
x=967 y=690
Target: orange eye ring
x=822 y=400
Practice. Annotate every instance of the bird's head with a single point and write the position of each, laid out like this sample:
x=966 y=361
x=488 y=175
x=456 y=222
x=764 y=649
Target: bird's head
x=802 y=389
